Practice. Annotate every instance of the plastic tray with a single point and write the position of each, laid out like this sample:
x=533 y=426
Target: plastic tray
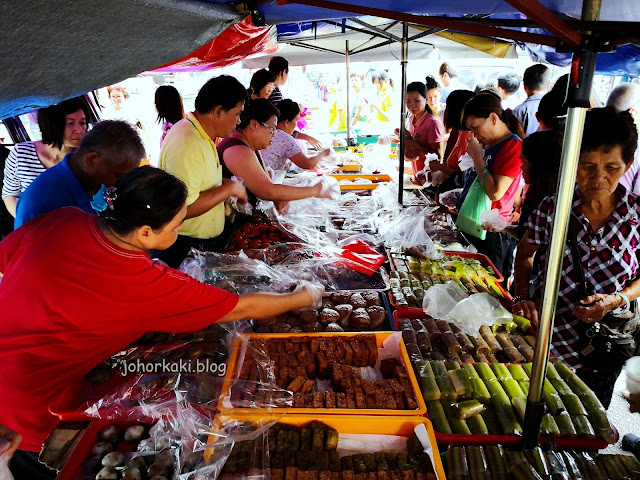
x=82 y=452
x=483 y=259
x=379 y=178
x=364 y=425
x=506 y=302
x=380 y=338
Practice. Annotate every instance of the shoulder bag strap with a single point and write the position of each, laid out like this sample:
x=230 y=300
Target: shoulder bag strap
x=572 y=236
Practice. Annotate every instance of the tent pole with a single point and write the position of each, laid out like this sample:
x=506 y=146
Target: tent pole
x=403 y=94
x=579 y=92
x=347 y=113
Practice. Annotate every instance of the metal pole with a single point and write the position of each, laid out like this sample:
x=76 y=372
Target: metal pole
x=403 y=94
x=347 y=113
x=583 y=67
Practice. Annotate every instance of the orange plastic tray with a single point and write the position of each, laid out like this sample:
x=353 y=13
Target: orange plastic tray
x=363 y=425
x=380 y=338
x=367 y=186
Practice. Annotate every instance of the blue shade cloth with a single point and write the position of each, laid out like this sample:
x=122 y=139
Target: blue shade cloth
x=56 y=187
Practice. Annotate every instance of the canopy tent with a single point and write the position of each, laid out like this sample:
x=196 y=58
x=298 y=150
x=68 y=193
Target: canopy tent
x=324 y=42
x=111 y=40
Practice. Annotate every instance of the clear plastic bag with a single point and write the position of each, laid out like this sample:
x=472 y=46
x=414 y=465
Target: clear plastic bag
x=491 y=219
x=243 y=208
x=236 y=273
x=409 y=229
x=440 y=300
x=477 y=310
x=450 y=198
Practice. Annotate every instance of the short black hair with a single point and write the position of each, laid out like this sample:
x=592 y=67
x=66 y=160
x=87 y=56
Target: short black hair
x=259 y=110
x=52 y=120
x=145 y=196
x=509 y=82
x=278 y=64
x=260 y=80
x=115 y=140
x=432 y=83
x=224 y=91
x=169 y=104
x=606 y=128
x=288 y=110
x=419 y=87
x=551 y=110
x=455 y=104
x=536 y=77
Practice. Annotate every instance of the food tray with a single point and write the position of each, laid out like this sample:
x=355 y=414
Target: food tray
x=386 y=326
x=239 y=350
x=82 y=451
x=377 y=179
x=483 y=259
x=507 y=302
x=361 y=425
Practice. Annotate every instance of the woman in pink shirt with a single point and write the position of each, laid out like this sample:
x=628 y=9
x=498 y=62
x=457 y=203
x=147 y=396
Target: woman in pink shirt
x=425 y=128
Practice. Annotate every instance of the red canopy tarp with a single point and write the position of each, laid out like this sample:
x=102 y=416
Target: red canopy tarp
x=233 y=45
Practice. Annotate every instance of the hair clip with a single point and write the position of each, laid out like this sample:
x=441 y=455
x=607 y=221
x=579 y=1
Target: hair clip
x=104 y=199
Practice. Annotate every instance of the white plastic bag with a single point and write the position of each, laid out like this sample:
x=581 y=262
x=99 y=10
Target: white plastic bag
x=477 y=310
x=465 y=162
x=491 y=219
x=439 y=300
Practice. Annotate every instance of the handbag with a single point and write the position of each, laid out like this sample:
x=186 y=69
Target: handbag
x=615 y=337
x=472 y=207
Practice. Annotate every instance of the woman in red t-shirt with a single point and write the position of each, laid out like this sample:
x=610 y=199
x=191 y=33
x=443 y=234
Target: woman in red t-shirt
x=498 y=166
x=78 y=288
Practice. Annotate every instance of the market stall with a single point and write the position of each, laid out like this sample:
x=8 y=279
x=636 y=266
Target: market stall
x=412 y=352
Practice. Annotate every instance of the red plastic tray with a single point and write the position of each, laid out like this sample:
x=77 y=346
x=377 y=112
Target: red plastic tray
x=507 y=302
x=483 y=259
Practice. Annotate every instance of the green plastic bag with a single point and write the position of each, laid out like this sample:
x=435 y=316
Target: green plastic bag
x=474 y=204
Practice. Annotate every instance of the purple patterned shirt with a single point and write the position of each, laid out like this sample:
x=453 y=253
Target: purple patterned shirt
x=609 y=257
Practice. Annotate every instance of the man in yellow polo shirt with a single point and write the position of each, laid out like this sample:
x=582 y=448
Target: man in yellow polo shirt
x=189 y=153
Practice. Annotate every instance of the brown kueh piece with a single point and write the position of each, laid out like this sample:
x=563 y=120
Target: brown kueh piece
x=372 y=298
x=328 y=315
x=340 y=298
x=345 y=312
x=360 y=319
x=377 y=314
x=357 y=301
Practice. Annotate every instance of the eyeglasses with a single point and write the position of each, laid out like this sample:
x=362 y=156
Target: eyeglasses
x=273 y=129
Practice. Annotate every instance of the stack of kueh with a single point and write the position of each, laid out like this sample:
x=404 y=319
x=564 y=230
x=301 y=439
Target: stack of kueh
x=297 y=363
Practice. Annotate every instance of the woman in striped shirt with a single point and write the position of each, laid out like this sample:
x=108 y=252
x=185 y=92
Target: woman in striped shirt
x=62 y=127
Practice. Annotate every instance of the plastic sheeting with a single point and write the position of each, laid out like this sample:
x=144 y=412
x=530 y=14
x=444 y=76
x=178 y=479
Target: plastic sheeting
x=234 y=44
x=55 y=50
x=277 y=12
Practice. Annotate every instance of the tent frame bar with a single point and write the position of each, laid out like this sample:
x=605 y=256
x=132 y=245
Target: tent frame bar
x=380 y=31
x=548 y=20
x=315 y=47
x=439 y=22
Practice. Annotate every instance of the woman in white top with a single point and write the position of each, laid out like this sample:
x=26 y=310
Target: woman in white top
x=284 y=146
x=62 y=127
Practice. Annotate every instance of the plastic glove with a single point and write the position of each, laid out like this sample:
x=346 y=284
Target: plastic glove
x=315 y=292
x=330 y=189
x=9 y=441
x=239 y=201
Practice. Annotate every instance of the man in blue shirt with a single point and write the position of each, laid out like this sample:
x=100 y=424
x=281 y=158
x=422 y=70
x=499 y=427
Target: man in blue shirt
x=536 y=81
x=109 y=150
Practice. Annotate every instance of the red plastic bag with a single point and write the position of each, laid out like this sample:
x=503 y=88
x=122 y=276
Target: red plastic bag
x=363 y=258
